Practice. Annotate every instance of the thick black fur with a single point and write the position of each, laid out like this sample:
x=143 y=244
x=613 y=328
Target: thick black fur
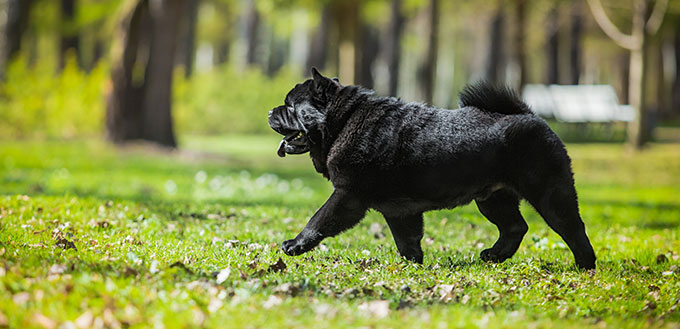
x=403 y=159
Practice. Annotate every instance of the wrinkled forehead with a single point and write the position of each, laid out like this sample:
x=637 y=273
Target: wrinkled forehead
x=299 y=93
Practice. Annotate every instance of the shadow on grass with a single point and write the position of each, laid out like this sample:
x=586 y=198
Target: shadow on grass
x=634 y=204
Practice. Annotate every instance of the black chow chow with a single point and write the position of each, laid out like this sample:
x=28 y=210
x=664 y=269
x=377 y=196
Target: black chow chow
x=402 y=159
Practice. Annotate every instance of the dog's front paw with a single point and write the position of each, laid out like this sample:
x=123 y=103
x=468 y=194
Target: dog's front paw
x=293 y=247
x=492 y=256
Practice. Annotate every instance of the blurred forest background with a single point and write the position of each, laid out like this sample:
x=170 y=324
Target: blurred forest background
x=157 y=69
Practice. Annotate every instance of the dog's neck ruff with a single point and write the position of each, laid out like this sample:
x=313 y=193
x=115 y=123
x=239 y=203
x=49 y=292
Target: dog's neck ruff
x=340 y=109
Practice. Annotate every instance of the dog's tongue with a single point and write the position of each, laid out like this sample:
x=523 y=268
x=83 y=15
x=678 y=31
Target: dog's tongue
x=282 y=148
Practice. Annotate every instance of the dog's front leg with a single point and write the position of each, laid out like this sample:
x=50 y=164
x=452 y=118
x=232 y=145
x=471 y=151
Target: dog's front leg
x=340 y=212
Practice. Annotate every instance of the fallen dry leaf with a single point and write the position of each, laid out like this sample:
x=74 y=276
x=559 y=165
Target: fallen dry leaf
x=376 y=308
x=21 y=298
x=84 y=321
x=3 y=320
x=198 y=315
x=44 y=321
x=325 y=310
x=278 y=266
x=153 y=269
x=223 y=275
x=272 y=301
x=214 y=305
x=57 y=269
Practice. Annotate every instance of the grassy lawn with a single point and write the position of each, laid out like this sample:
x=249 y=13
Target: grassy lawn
x=92 y=236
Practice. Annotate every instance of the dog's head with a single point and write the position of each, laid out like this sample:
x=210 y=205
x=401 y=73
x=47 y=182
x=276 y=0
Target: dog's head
x=303 y=113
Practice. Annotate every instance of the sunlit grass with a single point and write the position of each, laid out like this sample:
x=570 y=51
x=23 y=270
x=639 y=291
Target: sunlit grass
x=191 y=238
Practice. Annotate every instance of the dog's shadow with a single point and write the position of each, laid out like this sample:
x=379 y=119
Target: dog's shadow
x=467 y=263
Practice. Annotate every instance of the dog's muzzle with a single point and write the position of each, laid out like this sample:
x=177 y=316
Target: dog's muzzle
x=286 y=123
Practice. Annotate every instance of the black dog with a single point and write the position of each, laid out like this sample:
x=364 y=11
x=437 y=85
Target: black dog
x=402 y=159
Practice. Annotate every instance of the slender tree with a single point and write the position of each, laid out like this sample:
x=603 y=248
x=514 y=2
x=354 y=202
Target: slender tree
x=16 y=23
x=494 y=61
x=575 y=42
x=552 y=47
x=428 y=67
x=186 y=48
x=623 y=62
x=252 y=24
x=636 y=42
x=318 y=47
x=346 y=20
x=393 y=46
x=278 y=53
x=223 y=38
x=675 y=105
x=369 y=53
x=69 y=40
x=519 y=46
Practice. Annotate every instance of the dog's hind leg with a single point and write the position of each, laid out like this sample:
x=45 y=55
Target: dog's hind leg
x=407 y=231
x=502 y=209
x=558 y=205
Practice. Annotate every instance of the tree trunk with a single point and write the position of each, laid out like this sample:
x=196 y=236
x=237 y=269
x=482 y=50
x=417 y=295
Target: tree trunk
x=252 y=22
x=637 y=130
x=69 y=40
x=520 y=45
x=393 y=47
x=186 y=49
x=158 y=127
x=675 y=107
x=575 y=46
x=141 y=108
x=318 y=47
x=552 y=49
x=369 y=52
x=428 y=67
x=97 y=53
x=124 y=101
x=346 y=20
x=624 y=64
x=663 y=91
x=643 y=28
x=17 y=14
x=495 y=56
x=277 y=53
x=222 y=46
x=221 y=52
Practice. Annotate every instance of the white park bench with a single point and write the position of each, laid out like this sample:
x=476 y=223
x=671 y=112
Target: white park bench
x=577 y=103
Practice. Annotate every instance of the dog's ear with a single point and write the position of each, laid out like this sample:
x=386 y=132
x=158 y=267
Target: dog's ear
x=322 y=83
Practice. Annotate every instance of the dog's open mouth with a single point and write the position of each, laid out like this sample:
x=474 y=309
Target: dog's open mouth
x=293 y=143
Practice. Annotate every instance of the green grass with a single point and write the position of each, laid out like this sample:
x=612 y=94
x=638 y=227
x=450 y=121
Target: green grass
x=152 y=230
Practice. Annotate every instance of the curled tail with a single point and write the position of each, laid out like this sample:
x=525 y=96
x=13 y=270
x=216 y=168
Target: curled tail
x=492 y=98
